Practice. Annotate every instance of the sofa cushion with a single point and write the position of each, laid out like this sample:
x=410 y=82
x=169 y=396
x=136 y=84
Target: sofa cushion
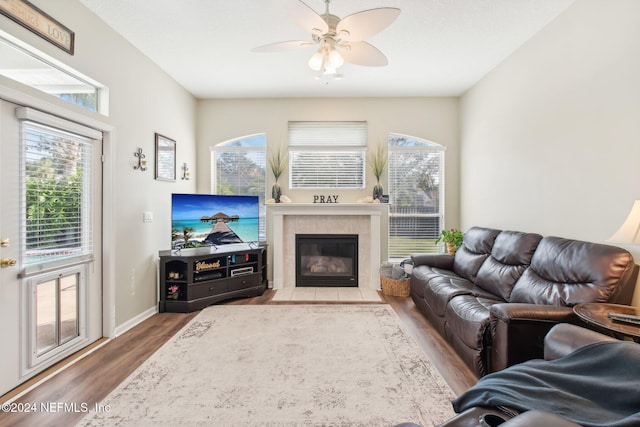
x=440 y=290
x=566 y=272
x=467 y=318
x=510 y=256
x=475 y=249
x=420 y=277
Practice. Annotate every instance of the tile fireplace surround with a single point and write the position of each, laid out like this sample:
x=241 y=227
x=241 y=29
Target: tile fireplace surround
x=289 y=219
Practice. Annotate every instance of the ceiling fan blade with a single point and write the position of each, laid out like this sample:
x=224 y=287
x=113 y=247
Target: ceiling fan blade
x=363 y=53
x=365 y=24
x=282 y=46
x=307 y=18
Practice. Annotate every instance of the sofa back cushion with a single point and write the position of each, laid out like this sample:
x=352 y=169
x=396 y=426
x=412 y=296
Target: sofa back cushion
x=566 y=272
x=510 y=257
x=475 y=249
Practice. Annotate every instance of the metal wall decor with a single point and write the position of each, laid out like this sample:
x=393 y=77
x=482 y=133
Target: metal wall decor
x=142 y=163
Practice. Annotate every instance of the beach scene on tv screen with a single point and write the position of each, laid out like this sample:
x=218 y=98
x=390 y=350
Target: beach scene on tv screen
x=209 y=219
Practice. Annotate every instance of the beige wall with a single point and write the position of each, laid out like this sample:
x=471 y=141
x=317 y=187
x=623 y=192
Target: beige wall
x=434 y=119
x=550 y=138
x=143 y=100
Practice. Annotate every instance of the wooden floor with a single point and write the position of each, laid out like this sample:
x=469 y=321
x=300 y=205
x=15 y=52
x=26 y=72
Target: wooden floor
x=62 y=399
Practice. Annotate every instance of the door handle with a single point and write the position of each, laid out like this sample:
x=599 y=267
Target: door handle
x=7 y=262
x=4 y=242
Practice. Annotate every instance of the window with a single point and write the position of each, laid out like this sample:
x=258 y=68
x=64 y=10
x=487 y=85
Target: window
x=327 y=155
x=416 y=188
x=56 y=213
x=26 y=65
x=238 y=167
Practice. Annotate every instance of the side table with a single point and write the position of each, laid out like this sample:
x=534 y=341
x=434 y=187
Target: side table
x=597 y=314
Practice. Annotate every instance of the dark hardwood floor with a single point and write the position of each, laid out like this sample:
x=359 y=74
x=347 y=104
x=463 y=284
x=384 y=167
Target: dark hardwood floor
x=86 y=382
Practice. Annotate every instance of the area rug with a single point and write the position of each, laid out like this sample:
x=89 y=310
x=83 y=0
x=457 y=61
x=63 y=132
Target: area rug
x=283 y=365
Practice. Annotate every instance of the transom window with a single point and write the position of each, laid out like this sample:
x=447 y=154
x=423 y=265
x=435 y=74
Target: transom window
x=24 y=64
x=416 y=189
x=327 y=155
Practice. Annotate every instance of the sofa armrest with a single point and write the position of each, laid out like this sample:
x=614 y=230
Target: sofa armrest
x=565 y=338
x=444 y=261
x=518 y=331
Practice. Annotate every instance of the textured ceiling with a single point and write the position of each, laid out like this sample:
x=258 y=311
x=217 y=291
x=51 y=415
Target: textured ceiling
x=435 y=47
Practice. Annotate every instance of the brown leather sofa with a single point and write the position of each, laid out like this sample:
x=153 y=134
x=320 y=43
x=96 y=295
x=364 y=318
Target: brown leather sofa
x=496 y=299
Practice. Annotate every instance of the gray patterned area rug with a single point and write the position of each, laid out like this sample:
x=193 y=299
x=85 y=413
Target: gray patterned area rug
x=283 y=365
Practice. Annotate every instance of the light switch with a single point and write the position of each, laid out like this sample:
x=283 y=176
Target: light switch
x=147 y=216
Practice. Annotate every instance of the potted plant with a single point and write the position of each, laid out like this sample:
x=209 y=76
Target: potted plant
x=378 y=164
x=452 y=238
x=278 y=163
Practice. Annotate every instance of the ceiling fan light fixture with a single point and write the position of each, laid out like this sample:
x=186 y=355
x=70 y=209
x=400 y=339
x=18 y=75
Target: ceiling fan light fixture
x=327 y=59
x=338 y=40
x=335 y=59
x=316 y=61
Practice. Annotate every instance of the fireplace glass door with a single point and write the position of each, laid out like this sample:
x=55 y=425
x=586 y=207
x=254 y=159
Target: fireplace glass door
x=327 y=260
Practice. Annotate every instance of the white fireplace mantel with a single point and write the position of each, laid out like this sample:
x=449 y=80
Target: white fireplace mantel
x=369 y=254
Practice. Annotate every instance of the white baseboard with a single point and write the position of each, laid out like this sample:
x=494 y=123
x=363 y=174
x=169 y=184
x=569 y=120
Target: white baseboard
x=121 y=329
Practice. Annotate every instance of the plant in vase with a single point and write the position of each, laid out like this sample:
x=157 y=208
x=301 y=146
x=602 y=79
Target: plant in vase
x=174 y=292
x=378 y=164
x=452 y=238
x=278 y=163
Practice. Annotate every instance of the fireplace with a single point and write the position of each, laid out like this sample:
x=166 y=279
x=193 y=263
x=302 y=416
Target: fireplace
x=327 y=260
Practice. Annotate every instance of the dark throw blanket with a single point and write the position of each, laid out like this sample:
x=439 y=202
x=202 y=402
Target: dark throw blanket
x=596 y=385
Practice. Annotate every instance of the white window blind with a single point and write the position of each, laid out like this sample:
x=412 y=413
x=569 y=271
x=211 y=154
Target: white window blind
x=56 y=208
x=416 y=188
x=238 y=167
x=327 y=154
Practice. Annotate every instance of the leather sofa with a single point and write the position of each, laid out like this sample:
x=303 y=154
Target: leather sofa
x=498 y=296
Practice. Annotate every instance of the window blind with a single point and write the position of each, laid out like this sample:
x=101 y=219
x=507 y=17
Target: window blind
x=56 y=205
x=334 y=134
x=327 y=155
x=238 y=167
x=416 y=188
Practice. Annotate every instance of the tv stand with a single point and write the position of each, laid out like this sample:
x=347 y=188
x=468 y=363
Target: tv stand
x=191 y=279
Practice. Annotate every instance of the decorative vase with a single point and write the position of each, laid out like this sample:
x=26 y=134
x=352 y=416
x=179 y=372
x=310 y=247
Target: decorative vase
x=378 y=191
x=276 y=192
x=451 y=249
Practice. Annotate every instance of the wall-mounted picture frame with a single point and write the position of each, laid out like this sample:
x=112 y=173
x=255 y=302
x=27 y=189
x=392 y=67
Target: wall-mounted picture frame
x=165 y=158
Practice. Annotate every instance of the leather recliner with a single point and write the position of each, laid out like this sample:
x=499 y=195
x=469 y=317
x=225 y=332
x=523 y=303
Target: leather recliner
x=562 y=340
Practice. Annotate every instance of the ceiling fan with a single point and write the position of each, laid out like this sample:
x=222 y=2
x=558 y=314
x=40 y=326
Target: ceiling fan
x=338 y=40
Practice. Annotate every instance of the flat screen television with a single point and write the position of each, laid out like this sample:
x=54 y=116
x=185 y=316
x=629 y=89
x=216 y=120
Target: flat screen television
x=213 y=219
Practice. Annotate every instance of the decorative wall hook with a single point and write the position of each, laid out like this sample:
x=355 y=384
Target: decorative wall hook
x=185 y=171
x=142 y=163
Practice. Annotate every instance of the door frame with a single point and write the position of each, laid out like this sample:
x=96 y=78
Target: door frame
x=28 y=97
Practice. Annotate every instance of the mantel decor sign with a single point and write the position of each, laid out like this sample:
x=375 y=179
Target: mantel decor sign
x=35 y=20
x=329 y=198
x=165 y=158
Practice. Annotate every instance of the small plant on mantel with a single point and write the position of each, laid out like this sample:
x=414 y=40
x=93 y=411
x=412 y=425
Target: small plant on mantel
x=278 y=163
x=452 y=238
x=378 y=163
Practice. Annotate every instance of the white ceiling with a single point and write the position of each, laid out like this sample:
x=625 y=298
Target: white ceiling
x=434 y=48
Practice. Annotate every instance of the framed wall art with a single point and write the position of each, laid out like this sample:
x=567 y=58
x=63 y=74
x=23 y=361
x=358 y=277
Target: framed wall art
x=165 y=158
